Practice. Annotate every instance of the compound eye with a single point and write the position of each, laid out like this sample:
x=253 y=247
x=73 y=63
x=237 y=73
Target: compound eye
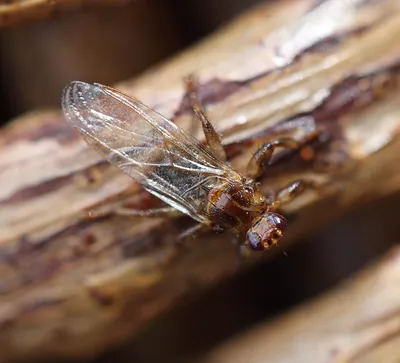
x=278 y=221
x=254 y=240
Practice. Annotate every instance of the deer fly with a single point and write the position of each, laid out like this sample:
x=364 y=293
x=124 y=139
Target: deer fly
x=171 y=164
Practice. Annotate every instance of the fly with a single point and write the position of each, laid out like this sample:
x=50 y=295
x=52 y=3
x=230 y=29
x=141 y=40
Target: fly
x=174 y=166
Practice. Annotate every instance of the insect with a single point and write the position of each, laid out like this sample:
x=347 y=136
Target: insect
x=168 y=162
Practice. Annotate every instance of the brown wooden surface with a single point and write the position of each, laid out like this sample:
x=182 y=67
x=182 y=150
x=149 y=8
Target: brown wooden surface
x=359 y=321
x=71 y=286
x=17 y=11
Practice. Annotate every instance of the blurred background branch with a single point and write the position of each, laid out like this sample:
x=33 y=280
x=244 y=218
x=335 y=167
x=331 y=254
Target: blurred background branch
x=359 y=321
x=16 y=11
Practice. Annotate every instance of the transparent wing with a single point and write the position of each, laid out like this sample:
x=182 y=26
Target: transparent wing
x=167 y=161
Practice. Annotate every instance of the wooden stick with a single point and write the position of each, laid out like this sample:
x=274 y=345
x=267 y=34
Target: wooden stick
x=359 y=321
x=85 y=285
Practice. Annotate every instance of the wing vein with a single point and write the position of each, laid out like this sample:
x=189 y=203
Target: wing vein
x=167 y=161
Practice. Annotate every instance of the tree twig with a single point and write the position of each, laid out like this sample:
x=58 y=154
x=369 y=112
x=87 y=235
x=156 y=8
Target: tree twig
x=88 y=284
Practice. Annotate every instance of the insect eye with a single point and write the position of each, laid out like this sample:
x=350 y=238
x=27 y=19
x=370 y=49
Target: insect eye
x=254 y=240
x=278 y=222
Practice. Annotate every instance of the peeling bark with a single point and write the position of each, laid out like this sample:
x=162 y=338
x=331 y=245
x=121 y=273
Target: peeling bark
x=86 y=284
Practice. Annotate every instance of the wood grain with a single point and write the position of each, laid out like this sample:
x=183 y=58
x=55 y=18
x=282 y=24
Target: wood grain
x=73 y=286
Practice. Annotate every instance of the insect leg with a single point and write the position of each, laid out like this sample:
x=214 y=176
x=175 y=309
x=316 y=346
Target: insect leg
x=191 y=231
x=293 y=190
x=263 y=155
x=243 y=252
x=145 y=213
x=212 y=138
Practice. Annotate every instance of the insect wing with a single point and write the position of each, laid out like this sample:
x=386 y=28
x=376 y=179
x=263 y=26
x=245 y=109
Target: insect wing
x=167 y=161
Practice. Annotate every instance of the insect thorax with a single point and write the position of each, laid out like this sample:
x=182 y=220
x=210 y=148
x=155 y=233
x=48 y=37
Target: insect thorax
x=234 y=205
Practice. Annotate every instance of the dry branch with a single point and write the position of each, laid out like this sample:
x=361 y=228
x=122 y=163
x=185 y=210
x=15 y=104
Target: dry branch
x=357 y=322
x=71 y=286
x=16 y=11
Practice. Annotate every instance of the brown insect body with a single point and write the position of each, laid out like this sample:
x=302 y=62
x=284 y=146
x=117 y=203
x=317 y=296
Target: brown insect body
x=239 y=205
x=175 y=167
x=233 y=205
